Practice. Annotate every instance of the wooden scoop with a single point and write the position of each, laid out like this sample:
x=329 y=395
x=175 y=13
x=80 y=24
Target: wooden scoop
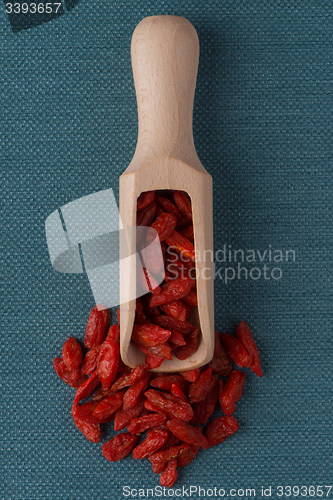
x=165 y=54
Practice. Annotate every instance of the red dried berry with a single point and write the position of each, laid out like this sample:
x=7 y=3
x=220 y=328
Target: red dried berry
x=97 y=326
x=191 y=375
x=169 y=474
x=150 y=335
x=170 y=404
x=220 y=429
x=141 y=424
x=134 y=392
x=108 y=406
x=108 y=362
x=172 y=291
x=221 y=363
x=73 y=378
x=245 y=336
x=200 y=389
x=165 y=382
x=145 y=199
x=92 y=432
x=164 y=225
x=153 y=442
x=231 y=392
x=122 y=418
x=236 y=350
x=72 y=354
x=119 y=447
x=187 y=433
x=185 y=351
x=188 y=455
x=205 y=408
x=89 y=362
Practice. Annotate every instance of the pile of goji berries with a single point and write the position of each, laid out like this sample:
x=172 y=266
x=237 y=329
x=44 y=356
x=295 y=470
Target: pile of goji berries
x=161 y=326
x=170 y=408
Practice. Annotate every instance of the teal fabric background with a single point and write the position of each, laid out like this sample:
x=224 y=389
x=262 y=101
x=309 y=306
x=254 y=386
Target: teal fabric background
x=263 y=129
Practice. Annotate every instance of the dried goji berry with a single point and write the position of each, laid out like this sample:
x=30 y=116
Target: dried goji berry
x=134 y=392
x=85 y=412
x=176 y=339
x=72 y=354
x=245 y=336
x=184 y=351
x=188 y=232
x=188 y=455
x=220 y=429
x=119 y=446
x=153 y=441
x=113 y=333
x=141 y=424
x=164 y=225
x=91 y=431
x=236 y=350
x=165 y=382
x=89 y=362
x=169 y=474
x=157 y=465
x=221 y=363
x=187 y=433
x=200 y=389
x=101 y=394
x=205 y=408
x=172 y=439
x=97 y=326
x=164 y=455
x=191 y=299
x=168 y=206
x=153 y=361
x=178 y=269
x=232 y=391
x=175 y=309
x=145 y=216
x=150 y=407
x=181 y=244
x=170 y=404
x=177 y=391
x=108 y=362
x=145 y=199
x=191 y=375
x=172 y=291
x=122 y=418
x=150 y=335
x=73 y=378
x=109 y=405
x=129 y=378
x=183 y=203
x=88 y=386
x=161 y=351
x=169 y=323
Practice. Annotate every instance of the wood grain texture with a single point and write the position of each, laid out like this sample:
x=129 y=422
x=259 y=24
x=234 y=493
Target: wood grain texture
x=165 y=54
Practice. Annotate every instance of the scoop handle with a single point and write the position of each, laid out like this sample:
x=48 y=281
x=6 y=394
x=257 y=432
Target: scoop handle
x=165 y=57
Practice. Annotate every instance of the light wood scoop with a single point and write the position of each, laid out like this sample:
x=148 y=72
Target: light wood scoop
x=165 y=54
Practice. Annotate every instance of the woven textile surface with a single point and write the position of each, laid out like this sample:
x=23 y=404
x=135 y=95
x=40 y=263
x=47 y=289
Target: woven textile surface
x=263 y=130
